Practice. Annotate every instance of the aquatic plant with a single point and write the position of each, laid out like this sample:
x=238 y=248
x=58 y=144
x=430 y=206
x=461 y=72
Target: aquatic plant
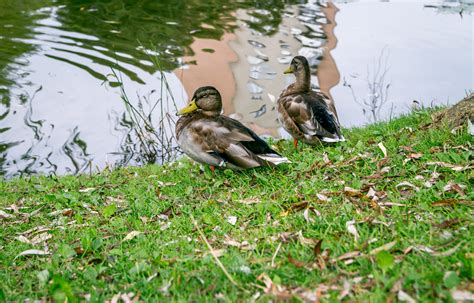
x=377 y=88
x=151 y=136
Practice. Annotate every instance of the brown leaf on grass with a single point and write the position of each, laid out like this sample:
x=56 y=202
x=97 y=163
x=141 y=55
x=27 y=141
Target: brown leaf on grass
x=351 y=192
x=317 y=248
x=454 y=187
x=40 y=238
x=406 y=184
x=295 y=262
x=448 y=223
x=295 y=207
x=274 y=289
x=382 y=162
x=415 y=156
x=348 y=255
x=390 y=204
x=448 y=165
x=452 y=202
x=244 y=245
x=407 y=149
x=376 y=176
x=397 y=286
x=432 y=180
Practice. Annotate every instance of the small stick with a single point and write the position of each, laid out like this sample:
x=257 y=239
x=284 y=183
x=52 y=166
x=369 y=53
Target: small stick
x=213 y=254
x=275 y=254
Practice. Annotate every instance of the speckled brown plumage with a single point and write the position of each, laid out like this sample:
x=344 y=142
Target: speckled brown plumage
x=304 y=113
x=211 y=138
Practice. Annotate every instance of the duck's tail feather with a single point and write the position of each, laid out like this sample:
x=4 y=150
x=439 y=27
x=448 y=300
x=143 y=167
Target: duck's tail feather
x=274 y=158
x=333 y=140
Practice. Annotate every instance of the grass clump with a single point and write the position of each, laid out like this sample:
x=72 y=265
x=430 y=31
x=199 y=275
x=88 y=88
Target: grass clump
x=385 y=215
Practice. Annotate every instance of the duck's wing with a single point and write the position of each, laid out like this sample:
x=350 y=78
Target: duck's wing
x=232 y=143
x=311 y=114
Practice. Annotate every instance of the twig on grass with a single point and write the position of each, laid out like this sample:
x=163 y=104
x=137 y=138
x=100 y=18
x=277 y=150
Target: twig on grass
x=211 y=250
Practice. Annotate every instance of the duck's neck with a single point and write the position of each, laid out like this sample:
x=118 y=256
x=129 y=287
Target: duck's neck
x=209 y=113
x=303 y=80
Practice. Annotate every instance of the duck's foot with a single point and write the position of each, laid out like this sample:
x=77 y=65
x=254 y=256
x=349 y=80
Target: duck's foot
x=295 y=143
x=213 y=168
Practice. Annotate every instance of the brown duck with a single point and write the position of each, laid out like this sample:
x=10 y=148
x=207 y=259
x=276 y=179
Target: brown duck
x=210 y=138
x=304 y=113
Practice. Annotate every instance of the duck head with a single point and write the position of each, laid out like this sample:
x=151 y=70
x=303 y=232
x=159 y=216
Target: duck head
x=206 y=100
x=299 y=66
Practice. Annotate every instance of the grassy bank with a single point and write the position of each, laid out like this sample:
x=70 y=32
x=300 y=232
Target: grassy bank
x=385 y=215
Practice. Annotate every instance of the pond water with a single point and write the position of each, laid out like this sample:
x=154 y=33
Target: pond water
x=65 y=65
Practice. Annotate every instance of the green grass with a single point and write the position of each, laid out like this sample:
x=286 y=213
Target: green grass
x=88 y=217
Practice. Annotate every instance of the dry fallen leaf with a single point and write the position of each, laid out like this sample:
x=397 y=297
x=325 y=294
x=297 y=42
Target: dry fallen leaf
x=125 y=298
x=346 y=289
x=40 y=238
x=386 y=247
x=86 y=190
x=451 y=202
x=317 y=248
x=462 y=295
x=404 y=297
x=448 y=165
x=383 y=149
x=4 y=215
x=405 y=184
x=435 y=253
x=23 y=239
x=348 y=255
x=33 y=252
x=244 y=245
x=251 y=200
x=454 y=187
x=350 y=226
x=131 y=235
x=295 y=262
x=232 y=220
x=415 y=156
x=162 y=184
x=306 y=216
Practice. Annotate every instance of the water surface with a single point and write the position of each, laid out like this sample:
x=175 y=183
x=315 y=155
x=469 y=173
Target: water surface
x=61 y=109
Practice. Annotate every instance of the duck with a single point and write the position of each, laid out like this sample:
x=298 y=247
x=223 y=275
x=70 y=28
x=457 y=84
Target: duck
x=208 y=137
x=303 y=112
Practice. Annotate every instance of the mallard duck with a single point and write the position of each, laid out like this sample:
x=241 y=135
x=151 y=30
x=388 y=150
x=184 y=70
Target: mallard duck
x=304 y=113
x=210 y=138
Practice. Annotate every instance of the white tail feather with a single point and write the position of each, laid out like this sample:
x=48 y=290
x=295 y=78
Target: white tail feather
x=332 y=140
x=273 y=158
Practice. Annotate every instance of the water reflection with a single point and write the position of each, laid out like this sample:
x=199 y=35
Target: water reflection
x=56 y=58
x=61 y=109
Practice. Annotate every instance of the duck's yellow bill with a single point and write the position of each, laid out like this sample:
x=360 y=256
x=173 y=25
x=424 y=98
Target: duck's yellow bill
x=192 y=106
x=289 y=70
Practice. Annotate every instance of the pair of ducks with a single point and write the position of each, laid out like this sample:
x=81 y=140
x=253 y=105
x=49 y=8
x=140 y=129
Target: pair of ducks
x=210 y=138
